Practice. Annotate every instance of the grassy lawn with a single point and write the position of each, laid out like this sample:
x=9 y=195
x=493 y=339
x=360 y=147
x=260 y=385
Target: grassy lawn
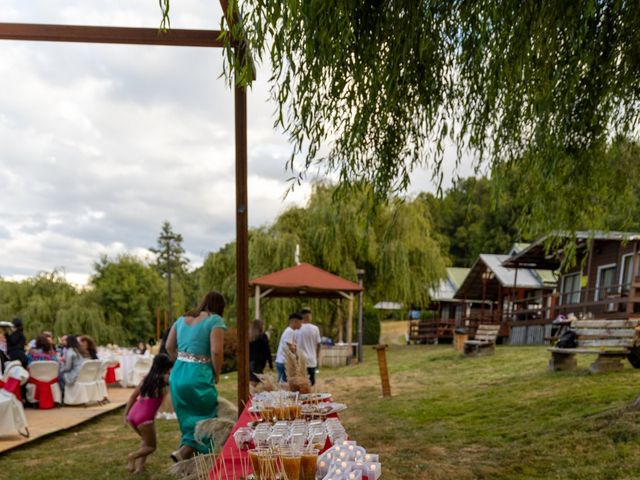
x=500 y=417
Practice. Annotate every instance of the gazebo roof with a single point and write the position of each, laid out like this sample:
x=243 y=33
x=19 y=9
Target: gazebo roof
x=305 y=280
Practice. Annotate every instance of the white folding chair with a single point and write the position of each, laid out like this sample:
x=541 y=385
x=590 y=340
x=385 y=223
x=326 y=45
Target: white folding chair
x=12 y=417
x=45 y=371
x=102 y=385
x=85 y=389
x=140 y=369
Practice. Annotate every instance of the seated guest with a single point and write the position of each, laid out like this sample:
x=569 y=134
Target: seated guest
x=141 y=348
x=62 y=346
x=43 y=351
x=73 y=360
x=89 y=347
x=16 y=342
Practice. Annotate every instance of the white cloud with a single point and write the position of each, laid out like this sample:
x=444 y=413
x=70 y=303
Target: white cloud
x=99 y=144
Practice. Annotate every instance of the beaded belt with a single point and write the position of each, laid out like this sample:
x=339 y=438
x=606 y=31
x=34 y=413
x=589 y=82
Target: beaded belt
x=193 y=358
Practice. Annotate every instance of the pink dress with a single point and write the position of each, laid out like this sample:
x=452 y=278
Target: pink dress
x=144 y=411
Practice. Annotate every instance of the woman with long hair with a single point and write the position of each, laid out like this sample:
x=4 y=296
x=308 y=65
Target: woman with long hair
x=195 y=342
x=72 y=361
x=43 y=351
x=90 y=349
x=259 y=351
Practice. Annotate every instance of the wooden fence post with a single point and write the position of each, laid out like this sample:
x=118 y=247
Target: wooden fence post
x=384 y=371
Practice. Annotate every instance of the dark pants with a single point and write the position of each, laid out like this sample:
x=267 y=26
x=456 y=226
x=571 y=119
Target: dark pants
x=311 y=371
x=254 y=368
x=282 y=373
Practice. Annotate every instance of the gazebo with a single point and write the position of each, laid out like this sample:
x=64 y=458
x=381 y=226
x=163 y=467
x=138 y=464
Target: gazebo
x=307 y=281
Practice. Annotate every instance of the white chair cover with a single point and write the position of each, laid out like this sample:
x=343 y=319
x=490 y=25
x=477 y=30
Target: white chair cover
x=102 y=385
x=85 y=389
x=44 y=371
x=141 y=368
x=12 y=418
x=14 y=369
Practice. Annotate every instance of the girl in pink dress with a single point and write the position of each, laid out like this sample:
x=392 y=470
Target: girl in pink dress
x=141 y=409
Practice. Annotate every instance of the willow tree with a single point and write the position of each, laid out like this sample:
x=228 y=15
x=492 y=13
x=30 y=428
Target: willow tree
x=392 y=242
x=373 y=89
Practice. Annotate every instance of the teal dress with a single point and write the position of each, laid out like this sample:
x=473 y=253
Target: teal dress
x=192 y=384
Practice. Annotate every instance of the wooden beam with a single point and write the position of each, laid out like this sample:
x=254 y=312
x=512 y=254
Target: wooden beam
x=119 y=35
x=242 y=246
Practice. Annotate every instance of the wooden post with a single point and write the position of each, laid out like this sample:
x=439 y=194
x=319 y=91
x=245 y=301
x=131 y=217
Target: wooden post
x=360 y=315
x=242 y=246
x=350 y=321
x=166 y=320
x=632 y=288
x=257 y=301
x=158 y=323
x=384 y=371
x=340 y=322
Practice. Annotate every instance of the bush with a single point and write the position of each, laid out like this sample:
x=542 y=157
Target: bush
x=230 y=363
x=371 y=331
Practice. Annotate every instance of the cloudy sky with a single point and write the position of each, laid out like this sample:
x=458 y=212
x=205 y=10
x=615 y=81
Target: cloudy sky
x=101 y=143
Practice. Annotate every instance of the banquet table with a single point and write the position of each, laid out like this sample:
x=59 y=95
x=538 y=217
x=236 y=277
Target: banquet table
x=127 y=362
x=232 y=456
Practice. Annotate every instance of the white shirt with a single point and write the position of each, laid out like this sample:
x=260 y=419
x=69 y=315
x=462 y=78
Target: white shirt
x=288 y=336
x=308 y=338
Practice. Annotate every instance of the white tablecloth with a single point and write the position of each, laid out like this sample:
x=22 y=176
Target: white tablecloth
x=127 y=363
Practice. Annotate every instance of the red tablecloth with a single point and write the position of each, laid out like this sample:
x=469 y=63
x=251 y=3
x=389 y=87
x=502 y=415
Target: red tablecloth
x=232 y=456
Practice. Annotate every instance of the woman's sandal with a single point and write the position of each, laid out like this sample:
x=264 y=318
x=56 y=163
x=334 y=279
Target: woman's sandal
x=176 y=456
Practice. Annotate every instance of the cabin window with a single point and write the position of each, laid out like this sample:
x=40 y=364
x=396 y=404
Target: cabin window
x=626 y=277
x=570 y=289
x=605 y=281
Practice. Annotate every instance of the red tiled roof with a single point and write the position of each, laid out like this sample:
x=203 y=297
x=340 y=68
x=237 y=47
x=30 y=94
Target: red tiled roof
x=305 y=280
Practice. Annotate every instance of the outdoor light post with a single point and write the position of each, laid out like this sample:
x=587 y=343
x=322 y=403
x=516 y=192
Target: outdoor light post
x=360 y=273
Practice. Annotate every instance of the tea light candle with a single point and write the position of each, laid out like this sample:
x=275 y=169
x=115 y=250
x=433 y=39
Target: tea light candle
x=371 y=457
x=355 y=475
x=373 y=471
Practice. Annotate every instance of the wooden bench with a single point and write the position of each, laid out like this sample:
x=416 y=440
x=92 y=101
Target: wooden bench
x=484 y=342
x=610 y=340
x=423 y=331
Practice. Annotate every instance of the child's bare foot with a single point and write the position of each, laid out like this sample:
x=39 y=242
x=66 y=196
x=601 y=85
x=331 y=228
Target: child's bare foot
x=131 y=465
x=139 y=465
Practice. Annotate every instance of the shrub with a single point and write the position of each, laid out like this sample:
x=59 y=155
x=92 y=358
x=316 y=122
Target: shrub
x=371 y=331
x=230 y=363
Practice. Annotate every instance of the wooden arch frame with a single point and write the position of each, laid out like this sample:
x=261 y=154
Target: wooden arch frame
x=178 y=38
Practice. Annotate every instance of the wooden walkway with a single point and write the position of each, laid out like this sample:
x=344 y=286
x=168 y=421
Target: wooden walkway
x=46 y=422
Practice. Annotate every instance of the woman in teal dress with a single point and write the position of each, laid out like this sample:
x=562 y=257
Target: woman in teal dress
x=195 y=342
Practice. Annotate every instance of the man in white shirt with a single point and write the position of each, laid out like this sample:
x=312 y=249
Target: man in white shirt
x=308 y=340
x=287 y=339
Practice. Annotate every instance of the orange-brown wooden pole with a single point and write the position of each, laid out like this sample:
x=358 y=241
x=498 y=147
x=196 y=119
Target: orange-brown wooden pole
x=384 y=371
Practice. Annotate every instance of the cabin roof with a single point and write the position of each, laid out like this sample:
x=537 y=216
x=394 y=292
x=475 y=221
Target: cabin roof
x=498 y=276
x=536 y=255
x=446 y=289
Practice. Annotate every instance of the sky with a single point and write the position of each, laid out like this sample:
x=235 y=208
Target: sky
x=99 y=144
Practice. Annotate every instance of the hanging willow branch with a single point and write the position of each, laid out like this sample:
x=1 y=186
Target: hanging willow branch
x=373 y=89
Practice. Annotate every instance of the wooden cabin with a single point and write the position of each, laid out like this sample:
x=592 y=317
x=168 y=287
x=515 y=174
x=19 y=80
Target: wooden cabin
x=448 y=310
x=602 y=282
x=498 y=290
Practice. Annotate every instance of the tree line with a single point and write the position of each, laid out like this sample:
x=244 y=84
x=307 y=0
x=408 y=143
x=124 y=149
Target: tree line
x=403 y=244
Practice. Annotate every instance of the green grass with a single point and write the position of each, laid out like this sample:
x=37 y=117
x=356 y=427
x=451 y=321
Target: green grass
x=499 y=417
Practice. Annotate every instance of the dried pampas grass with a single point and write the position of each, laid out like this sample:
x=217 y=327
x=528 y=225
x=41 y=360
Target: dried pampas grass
x=185 y=470
x=296 y=367
x=268 y=383
x=214 y=429
x=226 y=409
